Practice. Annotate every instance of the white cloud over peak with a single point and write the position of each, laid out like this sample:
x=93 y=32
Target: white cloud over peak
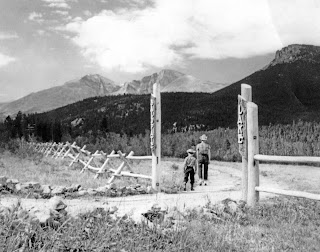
x=171 y=32
x=5 y=60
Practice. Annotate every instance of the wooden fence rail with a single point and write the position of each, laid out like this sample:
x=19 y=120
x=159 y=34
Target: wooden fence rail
x=248 y=139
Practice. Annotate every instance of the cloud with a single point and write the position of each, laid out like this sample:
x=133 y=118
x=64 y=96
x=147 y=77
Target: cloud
x=61 y=12
x=36 y=17
x=61 y=4
x=4 y=36
x=5 y=60
x=172 y=32
x=87 y=13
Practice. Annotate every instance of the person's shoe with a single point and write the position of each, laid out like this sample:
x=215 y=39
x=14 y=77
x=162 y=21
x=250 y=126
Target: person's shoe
x=205 y=183
x=185 y=187
x=192 y=188
x=200 y=183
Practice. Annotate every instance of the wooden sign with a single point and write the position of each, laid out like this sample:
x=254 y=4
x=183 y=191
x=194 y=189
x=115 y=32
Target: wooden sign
x=242 y=125
x=152 y=122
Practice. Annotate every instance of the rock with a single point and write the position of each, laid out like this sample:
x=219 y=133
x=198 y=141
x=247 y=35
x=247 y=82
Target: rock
x=102 y=189
x=122 y=189
x=232 y=207
x=3 y=180
x=10 y=186
x=14 y=181
x=17 y=188
x=34 y=185
x=112 y=210
x=25 y=186
x=91 y=191
x=58 y=190
x=112 y=186
x=56 y=203
x=73 y=188
x=155 y=207
x=46 y=189
x=82 y=192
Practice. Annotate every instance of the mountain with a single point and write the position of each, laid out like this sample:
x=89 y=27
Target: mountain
x=188 y=83
x=70 y=92
x=285 y=90
x=170 y=81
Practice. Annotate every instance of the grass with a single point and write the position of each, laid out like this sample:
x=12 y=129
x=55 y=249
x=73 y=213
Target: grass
x=282 y=224
x=28 y=166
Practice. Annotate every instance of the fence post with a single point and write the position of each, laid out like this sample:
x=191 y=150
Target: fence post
x=155 y=135
x=253 y=149
x=246 y=93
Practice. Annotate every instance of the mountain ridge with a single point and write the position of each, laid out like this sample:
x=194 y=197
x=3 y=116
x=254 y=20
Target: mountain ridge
x=96 y=85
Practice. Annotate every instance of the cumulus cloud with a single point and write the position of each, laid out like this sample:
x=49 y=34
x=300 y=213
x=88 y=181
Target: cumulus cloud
x=35 y=16
x=5 y=60
x=62 y=4
x=4 y=36
x=61 y=12
x=170 y=32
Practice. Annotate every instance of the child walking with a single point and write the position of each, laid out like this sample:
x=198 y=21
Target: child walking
x=190 y=168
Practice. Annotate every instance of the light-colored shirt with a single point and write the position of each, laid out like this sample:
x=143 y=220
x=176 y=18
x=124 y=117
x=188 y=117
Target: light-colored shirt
x=203 y=148
x=189 y=161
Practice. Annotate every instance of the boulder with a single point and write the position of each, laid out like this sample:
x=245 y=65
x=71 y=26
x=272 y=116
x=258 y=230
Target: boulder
x=73 y=188
x=14 y=181
x=17 y=188
x=46 y=189
x=34 y=185
x=3 y=180
x=112 y=186
x=82 y=192
x=112 y=210
x=56 y=203
x=121 y=189
x=91 y=191
x=102 y=189
x=58 y=190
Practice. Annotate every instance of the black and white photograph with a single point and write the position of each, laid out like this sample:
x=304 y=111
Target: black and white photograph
x=159 y=125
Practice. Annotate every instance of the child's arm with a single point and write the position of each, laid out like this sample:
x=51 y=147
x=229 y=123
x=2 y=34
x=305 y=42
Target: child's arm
x=184 y=164
x=195 y=166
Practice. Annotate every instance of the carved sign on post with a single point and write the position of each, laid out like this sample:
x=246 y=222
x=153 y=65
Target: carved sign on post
x=152 y=122
x=242 y=125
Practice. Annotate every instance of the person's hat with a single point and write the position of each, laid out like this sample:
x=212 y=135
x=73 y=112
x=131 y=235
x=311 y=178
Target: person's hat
x=191 y=151
x=203 y=138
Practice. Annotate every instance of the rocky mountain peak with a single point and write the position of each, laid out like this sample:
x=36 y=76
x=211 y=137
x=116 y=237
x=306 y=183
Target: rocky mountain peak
x=296 y=52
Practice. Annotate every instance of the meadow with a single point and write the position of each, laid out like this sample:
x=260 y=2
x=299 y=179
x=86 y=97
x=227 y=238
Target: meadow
x=279 y=224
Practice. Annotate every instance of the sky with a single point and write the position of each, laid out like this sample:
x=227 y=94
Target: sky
x=44 y=43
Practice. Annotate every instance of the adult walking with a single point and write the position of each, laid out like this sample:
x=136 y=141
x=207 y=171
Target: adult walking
x=203 y=157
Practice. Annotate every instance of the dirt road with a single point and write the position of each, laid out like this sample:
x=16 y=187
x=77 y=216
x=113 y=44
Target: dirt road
x=225 y=182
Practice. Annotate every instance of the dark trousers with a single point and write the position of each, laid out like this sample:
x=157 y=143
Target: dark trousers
x=203 y=166
x=189 y=172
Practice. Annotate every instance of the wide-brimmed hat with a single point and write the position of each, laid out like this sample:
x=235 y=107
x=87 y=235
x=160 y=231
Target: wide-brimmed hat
x=191 y=151
x=203 y=138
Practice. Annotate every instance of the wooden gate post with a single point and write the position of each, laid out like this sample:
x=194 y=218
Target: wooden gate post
x=246 y=93
x=253 y=149
x=155 y=135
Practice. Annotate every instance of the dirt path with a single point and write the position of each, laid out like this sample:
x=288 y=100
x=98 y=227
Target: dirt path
x=225 y=182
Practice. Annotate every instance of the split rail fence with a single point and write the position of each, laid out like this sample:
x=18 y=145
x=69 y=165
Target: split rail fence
x=92 y=161
x=248 y=139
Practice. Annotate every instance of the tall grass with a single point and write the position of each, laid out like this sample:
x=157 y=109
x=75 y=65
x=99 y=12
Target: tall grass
x=282 y=224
